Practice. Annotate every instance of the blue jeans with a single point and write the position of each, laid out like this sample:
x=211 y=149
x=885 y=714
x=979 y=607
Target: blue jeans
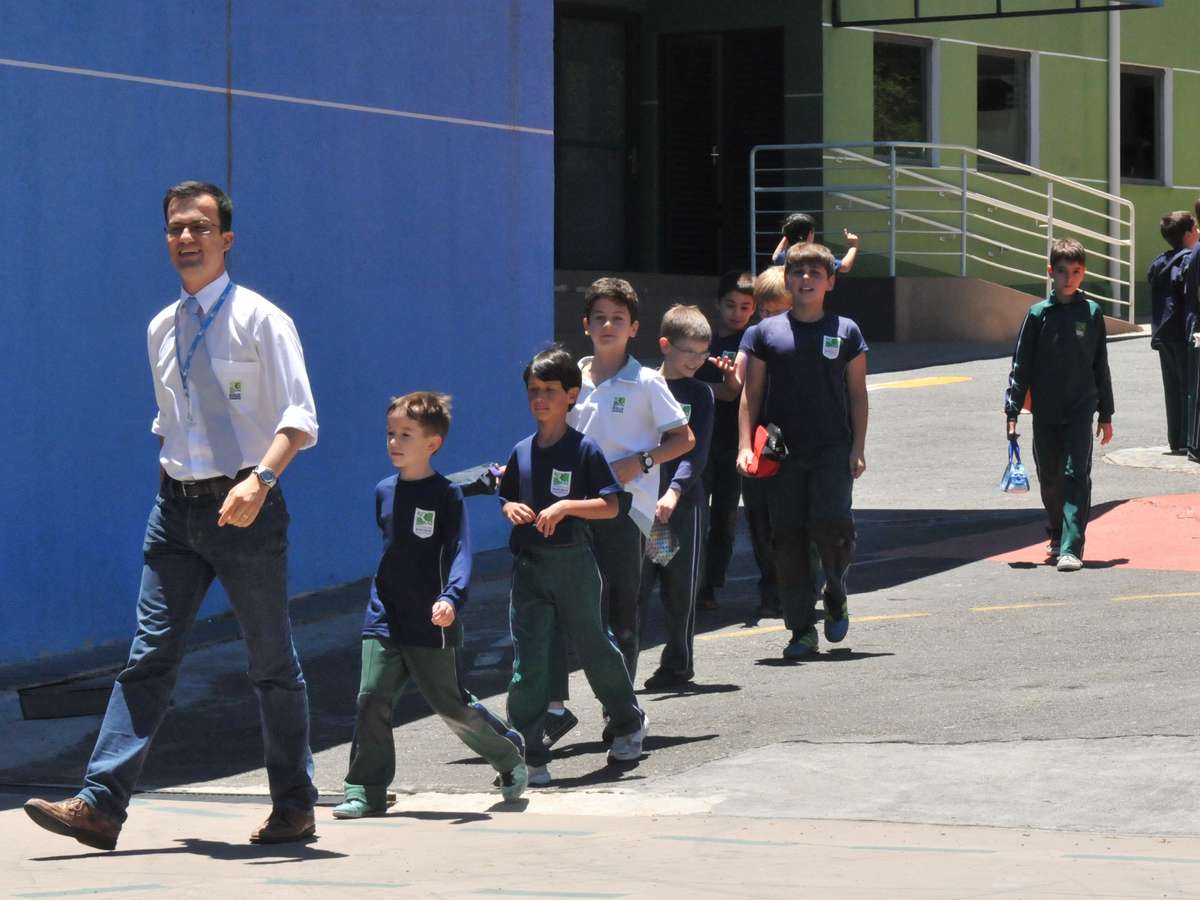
x=184 y=550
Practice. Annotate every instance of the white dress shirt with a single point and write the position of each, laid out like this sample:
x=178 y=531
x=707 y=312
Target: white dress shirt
x=259 y=363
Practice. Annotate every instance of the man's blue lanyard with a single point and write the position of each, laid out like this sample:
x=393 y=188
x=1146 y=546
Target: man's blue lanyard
x=185 y=365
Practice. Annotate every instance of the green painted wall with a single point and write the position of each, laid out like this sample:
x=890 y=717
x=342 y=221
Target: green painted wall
x=1073 y=99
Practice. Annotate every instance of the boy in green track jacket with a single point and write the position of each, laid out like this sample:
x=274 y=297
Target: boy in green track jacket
x=1061 y=360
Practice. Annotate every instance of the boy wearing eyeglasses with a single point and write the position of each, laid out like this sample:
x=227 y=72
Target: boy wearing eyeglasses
x=684 y=339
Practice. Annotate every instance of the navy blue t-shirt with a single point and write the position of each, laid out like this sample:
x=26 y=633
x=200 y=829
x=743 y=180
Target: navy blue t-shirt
x=806 y=377
x=426 y=558
x=686 y=472
x=1167 y=313
x=725 y=413
x=573 y=468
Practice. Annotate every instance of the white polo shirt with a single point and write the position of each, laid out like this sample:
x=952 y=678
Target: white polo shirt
x=625 y=415
x=259 y=363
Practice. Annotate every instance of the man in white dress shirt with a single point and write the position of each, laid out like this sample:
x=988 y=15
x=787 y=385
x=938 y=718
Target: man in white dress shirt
x=234 y=408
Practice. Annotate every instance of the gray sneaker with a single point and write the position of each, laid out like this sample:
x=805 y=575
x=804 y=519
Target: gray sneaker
x=628 y=747
x=538 y=776
x=1069 y=563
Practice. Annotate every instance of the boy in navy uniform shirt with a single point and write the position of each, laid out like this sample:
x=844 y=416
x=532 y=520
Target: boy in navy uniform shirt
x=412 y=628
x=1169 y=335
x=806 y=373
x=722 y=484
x=553 y=478
x=685 y=336
x=771 y=298
x=1061 y=360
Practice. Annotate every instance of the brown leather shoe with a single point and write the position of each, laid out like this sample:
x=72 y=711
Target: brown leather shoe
x=75 y=818
x=283 y=825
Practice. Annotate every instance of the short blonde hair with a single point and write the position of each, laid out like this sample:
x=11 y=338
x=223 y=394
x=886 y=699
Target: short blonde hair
x=770 y=284
x=685 y=323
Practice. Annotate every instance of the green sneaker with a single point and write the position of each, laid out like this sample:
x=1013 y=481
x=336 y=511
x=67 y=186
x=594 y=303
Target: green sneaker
x=513 y=783
x=802 y=644
x=356 y=809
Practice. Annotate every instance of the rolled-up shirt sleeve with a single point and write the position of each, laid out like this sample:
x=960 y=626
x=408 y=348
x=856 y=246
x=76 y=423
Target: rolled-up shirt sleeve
x=285 y=386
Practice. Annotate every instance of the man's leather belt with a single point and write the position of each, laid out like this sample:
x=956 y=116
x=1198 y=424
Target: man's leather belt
x=218 y=486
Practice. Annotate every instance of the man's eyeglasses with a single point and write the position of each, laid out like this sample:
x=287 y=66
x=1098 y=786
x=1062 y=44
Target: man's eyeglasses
x=198 y=229
x=689 y=354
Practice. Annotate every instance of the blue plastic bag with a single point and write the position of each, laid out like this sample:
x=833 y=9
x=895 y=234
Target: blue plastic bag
x=1015 y=480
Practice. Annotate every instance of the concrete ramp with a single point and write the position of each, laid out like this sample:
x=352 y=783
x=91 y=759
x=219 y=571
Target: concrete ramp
x=939 y=309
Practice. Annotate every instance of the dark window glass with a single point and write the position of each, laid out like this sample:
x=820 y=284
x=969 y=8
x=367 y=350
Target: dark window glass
x=901 y=94
x=1002 y=105
x=1140 y=126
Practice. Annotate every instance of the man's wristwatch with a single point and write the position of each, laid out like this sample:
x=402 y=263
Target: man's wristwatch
x=266 y=476
x=646 y=460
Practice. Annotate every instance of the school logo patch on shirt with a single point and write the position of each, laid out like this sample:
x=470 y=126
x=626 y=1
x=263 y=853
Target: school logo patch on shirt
x=423 y=520
x=235 y=390
x=560 y=483
x=618 y=404
x=831 y=347
x=687 y=411
x=1080 y=329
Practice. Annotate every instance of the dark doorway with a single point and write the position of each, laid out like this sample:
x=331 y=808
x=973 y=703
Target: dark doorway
x=595 y=162
x=720 y=94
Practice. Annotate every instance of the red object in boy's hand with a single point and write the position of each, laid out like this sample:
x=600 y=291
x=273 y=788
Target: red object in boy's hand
x=762 y=466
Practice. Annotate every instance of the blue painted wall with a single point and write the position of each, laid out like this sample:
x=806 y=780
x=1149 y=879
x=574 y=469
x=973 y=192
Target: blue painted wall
x=412 y=253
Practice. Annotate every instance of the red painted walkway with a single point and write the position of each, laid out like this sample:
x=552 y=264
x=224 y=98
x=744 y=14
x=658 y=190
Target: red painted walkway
x=1159 y=533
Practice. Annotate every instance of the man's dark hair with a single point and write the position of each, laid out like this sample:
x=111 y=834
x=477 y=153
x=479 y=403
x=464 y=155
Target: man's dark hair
x=1175 y=226
x=1068 y=250
x=185 y=190
x=735 y=280
x=798 y=227
x=617 y=290
x=554 y=364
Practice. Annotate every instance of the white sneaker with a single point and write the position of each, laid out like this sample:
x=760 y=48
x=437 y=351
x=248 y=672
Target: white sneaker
x=539 y=776
x=628 y=747
x=1069 y=563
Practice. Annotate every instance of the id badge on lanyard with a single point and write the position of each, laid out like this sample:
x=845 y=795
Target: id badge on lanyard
x=185 y=363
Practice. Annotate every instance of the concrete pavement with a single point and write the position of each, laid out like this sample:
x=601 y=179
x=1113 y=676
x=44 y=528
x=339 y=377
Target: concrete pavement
x=983 y=702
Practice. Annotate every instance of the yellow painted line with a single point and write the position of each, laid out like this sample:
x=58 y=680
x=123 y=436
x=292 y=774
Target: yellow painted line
x=1192 y=594
x=933 y=381
x=773 y=629
x=1015 y=606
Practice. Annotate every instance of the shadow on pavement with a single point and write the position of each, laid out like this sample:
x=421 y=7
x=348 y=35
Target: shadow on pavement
x=692 y=689
x=835 y=655
x=254 y=854
x=454 y=818
x=219 y=737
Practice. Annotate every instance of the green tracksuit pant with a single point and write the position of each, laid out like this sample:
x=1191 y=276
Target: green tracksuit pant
x=680 y=582
x=386 y=669
x=1063 y=456
x=560 y=586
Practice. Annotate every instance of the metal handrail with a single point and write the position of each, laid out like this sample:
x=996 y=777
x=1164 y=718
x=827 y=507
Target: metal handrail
x=1030 y=207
